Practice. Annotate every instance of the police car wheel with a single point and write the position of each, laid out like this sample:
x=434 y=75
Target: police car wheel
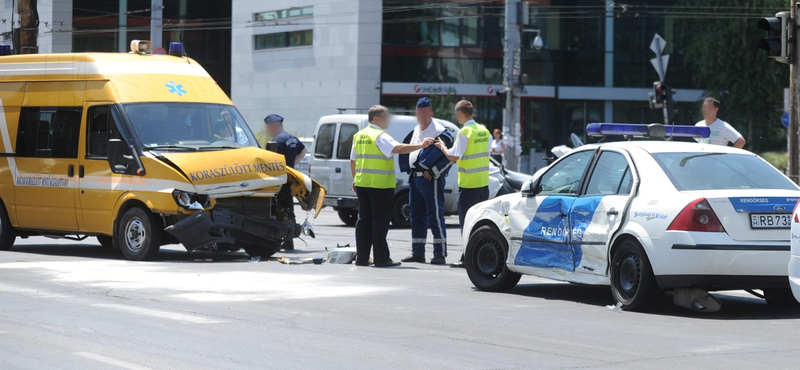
x=348 y=216
x=632 y=282
x=485 y=261
x=139 y=238
x=7 y=234
x=780 y=297
x=401 y=211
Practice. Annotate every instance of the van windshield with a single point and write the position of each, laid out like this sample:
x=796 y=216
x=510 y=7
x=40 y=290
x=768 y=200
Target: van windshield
x=189 y=126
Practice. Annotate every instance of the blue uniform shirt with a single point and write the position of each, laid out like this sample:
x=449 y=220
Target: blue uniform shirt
x=289 y=145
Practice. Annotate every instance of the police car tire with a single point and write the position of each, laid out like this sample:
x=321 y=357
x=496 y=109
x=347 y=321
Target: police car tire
x=348 y=216
x=7 y=234
x=147 y=223
x=631 y=259
x=780 y=297
x=398 y=219
x=485 y=261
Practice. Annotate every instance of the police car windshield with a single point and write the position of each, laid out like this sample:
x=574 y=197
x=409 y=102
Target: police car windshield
x=716 y=171
x=177 y=126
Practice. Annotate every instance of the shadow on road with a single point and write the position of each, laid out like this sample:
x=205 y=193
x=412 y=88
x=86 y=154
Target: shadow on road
x=99 y=252
x=733 y=307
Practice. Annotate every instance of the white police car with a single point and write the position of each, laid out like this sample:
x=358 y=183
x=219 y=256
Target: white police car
x=794 y=262
x=643 y=217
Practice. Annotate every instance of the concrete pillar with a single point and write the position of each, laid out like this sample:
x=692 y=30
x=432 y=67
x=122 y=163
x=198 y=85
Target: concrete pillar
x=122 y=34
x=608 y=108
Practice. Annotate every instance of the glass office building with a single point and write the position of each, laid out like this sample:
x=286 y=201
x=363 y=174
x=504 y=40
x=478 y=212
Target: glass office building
x=594 y=66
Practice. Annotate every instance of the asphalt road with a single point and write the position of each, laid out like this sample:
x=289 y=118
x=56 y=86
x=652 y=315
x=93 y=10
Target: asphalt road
x=75 y=305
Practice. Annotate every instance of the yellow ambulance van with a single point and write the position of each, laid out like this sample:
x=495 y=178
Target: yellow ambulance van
x=139 y=150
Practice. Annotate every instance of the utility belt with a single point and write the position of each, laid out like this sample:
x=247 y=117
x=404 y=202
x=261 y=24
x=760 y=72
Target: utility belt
x=417 y=174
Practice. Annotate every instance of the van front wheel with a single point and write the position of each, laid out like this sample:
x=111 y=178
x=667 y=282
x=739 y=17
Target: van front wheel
x=139 y=238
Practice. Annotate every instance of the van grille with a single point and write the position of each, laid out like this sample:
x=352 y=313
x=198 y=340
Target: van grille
x=247 y=206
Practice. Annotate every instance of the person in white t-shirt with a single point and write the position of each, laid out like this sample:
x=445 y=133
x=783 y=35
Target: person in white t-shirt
x=721 y=132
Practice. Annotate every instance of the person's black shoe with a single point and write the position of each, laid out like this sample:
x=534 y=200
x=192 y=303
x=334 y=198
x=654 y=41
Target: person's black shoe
x=388 y=263
x=413 y=258
x=438 y=260
x=362 y=264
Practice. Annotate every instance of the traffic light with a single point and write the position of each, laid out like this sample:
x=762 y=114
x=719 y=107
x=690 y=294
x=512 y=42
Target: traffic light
x=501 y=98
x=669 y=100
x=777 y=34
x=657 y=96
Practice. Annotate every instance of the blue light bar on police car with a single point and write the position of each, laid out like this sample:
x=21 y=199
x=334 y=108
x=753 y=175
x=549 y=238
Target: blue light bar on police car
x=651 y=130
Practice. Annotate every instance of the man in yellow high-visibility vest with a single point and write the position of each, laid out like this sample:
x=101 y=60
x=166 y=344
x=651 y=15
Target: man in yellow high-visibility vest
x=471 y=152
x=372 y=164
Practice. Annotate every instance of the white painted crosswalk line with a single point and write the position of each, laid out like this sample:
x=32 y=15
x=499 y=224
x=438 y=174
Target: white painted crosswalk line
x=112 y=361
x=176 y=316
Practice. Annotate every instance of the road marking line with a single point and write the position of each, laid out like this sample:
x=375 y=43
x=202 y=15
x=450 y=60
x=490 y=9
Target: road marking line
x=159 y=313
x=111 y=361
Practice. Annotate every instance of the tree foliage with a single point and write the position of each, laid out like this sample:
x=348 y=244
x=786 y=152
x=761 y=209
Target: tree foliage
x=730 y=67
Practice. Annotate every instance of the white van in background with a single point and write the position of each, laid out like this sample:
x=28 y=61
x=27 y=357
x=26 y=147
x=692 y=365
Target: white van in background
x=330 y=166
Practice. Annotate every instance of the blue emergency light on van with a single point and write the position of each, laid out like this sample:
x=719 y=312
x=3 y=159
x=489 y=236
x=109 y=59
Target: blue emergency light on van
x=176 y=49
x=653 y=130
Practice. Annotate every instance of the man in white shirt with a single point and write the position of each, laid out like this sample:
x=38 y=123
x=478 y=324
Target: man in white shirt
x=721 y=132
x=372 y=164
x=426 y=192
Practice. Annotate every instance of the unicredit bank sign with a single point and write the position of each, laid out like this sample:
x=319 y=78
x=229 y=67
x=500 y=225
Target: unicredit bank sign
x=424 y=89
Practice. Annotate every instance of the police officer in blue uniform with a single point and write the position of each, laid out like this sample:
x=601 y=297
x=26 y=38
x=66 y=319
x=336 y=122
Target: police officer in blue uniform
x=428 y=169
x=294 y=151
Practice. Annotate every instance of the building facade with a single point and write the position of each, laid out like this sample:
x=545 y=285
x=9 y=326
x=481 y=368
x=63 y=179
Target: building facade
x=594 y=66
x=305 y=59
x=204 y=27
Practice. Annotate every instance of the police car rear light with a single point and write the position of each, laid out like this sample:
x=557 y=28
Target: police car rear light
x=697 y=216
x=653 y=130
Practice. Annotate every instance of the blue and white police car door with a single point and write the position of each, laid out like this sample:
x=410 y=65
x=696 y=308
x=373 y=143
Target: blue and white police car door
x=598 y=211
x=541 y=228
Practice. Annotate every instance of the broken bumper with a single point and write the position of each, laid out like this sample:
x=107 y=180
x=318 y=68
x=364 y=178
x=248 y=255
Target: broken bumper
x=224 y=227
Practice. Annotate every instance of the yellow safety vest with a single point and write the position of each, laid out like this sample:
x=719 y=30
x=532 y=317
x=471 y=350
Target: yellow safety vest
x=373 y=169
x=473 y=166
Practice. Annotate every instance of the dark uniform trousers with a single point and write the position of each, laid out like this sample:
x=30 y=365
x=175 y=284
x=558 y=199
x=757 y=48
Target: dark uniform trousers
x=468 y=198
x=372 y=226
x=426 y=199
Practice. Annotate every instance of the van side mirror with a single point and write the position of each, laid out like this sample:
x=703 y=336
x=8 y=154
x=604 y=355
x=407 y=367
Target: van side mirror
x=272 y=146
x=123 y=163
x=530 y=188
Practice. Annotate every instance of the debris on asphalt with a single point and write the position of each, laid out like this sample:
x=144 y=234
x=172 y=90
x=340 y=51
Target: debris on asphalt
x=255 y=259
x=295 y=260
x=615 y=307
x=695 y=299
x=343 y=254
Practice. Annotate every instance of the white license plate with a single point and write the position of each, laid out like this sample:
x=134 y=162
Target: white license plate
x=770 y=221
x=330 y=202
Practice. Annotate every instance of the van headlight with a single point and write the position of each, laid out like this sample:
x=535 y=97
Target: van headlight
x=191 y=201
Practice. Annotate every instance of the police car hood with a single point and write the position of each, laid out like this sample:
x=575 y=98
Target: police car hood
x=244 y=170
x=231 y=170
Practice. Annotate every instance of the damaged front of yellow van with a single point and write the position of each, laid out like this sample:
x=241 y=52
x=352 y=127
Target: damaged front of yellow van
x=238 y=193
x=139 y=151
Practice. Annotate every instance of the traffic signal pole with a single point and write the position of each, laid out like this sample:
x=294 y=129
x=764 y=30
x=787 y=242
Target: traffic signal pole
x=793 y=169
x=511 y=83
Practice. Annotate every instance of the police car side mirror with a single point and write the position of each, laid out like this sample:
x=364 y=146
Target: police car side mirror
x=529 y=188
